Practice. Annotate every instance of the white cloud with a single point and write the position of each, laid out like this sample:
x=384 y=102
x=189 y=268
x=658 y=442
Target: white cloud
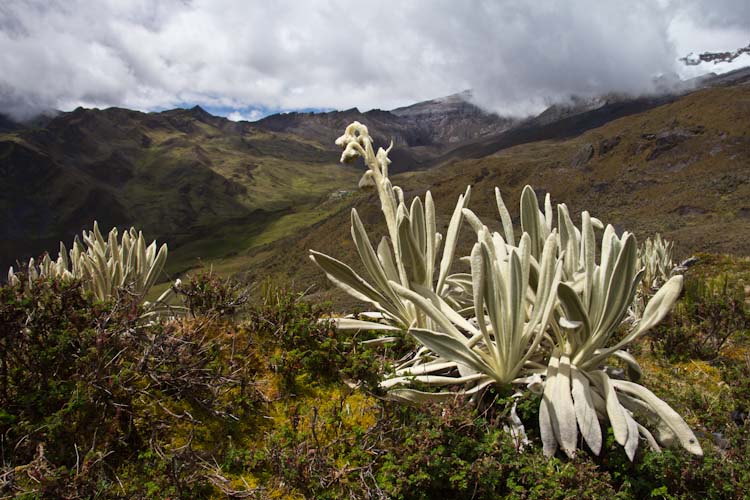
x=338 y=54
x=249 y=116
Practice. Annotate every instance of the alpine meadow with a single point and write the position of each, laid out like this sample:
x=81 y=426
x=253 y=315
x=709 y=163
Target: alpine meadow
x=224 y=280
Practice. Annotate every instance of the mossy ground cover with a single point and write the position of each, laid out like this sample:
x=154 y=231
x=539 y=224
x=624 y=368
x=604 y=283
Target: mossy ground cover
x=256 y=398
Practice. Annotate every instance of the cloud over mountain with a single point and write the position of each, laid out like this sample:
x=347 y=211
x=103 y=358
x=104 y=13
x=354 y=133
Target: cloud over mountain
x=335 y=54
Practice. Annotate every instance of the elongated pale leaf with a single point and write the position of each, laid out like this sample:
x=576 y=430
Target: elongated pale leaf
x=380 y=341
x=417 y=225
x=549 y=279
x=411 y=253
x=670 y=417
x=634 y=369
x=421 y=397
x=474 y=221
x=426 y=368
x=368 y=256
x=632 y=443
x=564 y=410
x=432 y=238
x=155 y=269
x=574 y=309
x=429 y=309
x=451 y=239
x=386 y=260
x=615 y=411
x=344 y=277
x=98 y=238
x=548 y=212
x=586 y=417
x=546 y=409
x=433 y=380
x=649 y=438
x=374 y=267
x=416 y=397
x=531 y=220
x=505 y=218
x=478 y=271
x=660 y=305
x=356 y=324
x=451 y=348
x=588 y=250
x=446 y=309
x=619 y=287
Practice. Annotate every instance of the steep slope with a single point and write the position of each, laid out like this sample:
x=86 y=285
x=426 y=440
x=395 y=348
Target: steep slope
x=570 y=119
x=682 y=169
x=420 y=132
x=180 y=175
x=255 y=196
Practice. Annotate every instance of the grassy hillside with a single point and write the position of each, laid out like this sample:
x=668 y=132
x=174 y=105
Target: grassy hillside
x=681 y=169
x=202 y=183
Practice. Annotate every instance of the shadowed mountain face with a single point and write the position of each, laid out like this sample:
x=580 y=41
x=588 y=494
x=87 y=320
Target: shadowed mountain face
x=178 y=175
x=186 y=176
x=256 y=196
x=421 y=133
x=8 y=125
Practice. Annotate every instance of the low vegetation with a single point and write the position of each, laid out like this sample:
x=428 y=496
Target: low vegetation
x=520 y=372
x=260 y=399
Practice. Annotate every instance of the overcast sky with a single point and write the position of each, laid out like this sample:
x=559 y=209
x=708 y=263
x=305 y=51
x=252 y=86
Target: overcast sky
x=244 y=59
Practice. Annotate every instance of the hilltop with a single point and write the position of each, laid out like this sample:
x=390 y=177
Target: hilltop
x=181 y=175
x=207 y=185
x=681 y=168
x=254 y=197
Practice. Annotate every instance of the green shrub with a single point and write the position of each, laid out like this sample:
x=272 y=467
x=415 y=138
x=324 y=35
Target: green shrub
x=93 y=400
x=711 y=313
x=302 y=345
x=97 y=404
x=206 y=294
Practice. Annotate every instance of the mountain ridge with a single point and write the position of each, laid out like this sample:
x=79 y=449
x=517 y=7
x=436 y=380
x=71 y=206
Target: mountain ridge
x=214 y=188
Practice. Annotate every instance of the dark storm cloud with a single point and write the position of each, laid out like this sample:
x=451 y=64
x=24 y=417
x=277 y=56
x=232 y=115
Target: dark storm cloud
x=517 y=56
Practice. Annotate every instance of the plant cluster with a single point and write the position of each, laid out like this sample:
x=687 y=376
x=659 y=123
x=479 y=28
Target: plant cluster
x=104 y=267
x=655 y=257
x=537 y=312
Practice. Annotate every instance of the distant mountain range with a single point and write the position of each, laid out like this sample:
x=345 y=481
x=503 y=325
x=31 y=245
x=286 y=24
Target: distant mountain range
x=715 y=57
x=242 y=194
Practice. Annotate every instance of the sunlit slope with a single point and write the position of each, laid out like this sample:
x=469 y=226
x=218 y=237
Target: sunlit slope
x=682 y=169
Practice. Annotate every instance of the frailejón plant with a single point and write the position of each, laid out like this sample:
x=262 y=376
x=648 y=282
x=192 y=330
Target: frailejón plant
x=578 y=389
x=538 y=311
x=105 y=267
x=406 y=257
x=511 y=317
x=655 y=257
